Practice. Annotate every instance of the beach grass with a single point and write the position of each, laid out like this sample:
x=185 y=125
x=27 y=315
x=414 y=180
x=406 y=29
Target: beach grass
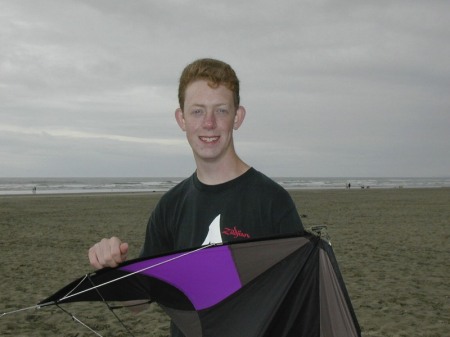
x=392 y=246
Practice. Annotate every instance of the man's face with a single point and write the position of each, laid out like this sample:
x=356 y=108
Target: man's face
x=208 y=119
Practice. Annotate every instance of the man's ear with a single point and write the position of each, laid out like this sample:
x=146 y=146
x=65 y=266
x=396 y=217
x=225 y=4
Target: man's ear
x=239 y=117
x=179 y=116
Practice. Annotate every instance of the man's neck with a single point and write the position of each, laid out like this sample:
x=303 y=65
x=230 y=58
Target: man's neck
x=219 y=173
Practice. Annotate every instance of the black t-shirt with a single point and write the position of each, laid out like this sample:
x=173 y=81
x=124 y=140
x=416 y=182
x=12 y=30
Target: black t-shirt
x=248 y=207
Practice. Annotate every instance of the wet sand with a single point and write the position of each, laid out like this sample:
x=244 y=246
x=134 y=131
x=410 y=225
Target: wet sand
x=392 y=246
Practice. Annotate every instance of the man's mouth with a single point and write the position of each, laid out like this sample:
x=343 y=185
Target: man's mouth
x=209 y=139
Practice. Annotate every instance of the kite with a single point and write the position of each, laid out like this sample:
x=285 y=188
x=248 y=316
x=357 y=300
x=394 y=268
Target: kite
x=282 y=286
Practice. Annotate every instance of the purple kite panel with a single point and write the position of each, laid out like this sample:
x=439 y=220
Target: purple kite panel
x=205 y=276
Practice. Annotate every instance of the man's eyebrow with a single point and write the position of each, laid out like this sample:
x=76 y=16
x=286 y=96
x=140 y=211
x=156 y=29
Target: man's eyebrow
x=204 y=105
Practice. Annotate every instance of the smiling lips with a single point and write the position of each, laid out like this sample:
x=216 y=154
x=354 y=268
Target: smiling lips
x=209 y=139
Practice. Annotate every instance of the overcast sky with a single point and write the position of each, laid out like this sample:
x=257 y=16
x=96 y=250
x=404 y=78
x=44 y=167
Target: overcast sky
x=331 y=88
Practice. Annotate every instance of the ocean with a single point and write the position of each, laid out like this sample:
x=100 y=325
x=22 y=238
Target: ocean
x=15 y=186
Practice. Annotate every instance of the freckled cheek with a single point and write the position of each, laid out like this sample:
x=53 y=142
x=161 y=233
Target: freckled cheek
x=191 y=127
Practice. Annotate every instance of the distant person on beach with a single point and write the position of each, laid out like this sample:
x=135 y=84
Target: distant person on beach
x=225 y=199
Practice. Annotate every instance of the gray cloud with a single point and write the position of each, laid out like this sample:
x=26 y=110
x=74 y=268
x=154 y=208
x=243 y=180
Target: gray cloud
x=331 y=88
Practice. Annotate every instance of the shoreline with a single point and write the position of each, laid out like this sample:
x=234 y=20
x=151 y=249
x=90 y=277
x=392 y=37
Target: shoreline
x=324 y=189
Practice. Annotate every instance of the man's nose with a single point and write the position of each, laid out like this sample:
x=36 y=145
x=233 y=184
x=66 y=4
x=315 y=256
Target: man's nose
x=209 y=122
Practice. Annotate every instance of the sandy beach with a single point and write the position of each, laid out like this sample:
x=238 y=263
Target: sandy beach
x=392 y=246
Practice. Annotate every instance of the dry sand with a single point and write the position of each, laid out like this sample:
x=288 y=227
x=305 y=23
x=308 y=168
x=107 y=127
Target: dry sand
x=392 y=246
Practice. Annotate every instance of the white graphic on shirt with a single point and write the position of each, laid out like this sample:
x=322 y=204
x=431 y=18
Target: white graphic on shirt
x=214 y=235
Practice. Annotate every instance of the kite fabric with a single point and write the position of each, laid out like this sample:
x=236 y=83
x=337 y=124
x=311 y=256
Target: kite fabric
x=289 y=286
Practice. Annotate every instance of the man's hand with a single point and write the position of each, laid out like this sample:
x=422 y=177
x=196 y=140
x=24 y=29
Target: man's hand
x=108 y=253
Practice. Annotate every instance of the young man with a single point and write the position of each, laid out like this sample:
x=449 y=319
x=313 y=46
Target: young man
x=225 y=199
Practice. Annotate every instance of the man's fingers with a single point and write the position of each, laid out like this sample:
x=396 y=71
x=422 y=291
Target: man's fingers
x=117 y=251
x=93 y=260
x=108 y=253
x=123 y=250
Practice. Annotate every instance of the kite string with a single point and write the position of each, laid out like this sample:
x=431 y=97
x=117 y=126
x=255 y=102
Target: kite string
x=68 y=313
x=111 y=309
x=76 y=319
x=19 y=310
x=79 y=283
